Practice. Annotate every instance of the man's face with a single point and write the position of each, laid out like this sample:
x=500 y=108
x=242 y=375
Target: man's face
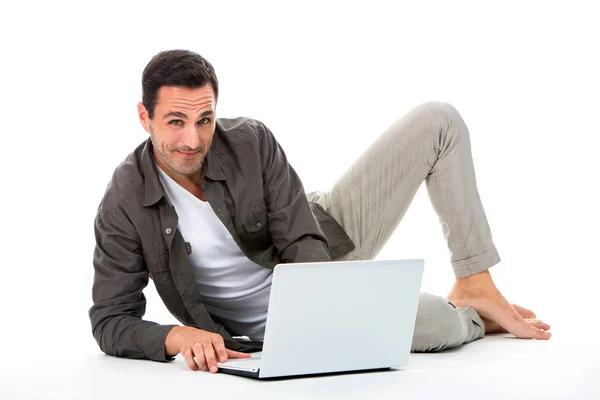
x=182 y=128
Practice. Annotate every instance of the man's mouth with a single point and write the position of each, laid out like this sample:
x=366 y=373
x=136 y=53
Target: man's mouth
x=187 y=155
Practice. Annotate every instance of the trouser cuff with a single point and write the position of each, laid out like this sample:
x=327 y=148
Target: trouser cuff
x=476 y=264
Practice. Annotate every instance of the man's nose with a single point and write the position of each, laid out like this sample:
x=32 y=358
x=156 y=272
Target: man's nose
x=191 y=137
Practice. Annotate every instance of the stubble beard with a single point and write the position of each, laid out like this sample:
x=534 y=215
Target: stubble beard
x=169 y=158
x=186 y=169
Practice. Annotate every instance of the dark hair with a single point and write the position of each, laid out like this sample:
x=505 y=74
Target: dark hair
x=175 y=68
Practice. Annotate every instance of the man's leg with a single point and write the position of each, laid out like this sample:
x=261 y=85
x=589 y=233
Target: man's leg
x=440 y=325
x=431 y=143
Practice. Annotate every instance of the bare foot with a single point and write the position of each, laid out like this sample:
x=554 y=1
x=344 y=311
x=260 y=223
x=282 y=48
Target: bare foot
x=480 y=292
x=493 y=327
x=528 y=316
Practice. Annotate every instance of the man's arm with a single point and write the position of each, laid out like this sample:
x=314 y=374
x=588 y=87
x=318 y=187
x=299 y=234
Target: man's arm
x=119 y=305
x=293 y=227
x=120 y=275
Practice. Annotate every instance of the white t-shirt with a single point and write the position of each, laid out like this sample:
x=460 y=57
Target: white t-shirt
x=232 y=287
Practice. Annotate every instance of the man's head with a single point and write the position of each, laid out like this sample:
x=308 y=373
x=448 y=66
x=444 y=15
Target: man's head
x=179 y=97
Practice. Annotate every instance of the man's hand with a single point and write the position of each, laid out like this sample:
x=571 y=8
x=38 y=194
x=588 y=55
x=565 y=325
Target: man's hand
x=206 y=347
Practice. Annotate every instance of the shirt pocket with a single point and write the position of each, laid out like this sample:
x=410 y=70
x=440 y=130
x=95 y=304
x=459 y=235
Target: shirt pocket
x=256 y=222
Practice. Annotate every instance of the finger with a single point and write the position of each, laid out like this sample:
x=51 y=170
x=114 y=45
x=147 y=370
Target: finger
x=199 y=353
x=237 y=354
x=211 y=359
x=220 y=349
x=188 y=356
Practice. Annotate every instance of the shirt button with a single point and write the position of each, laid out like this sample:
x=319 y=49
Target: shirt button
x=258 y=224
x=168 y=231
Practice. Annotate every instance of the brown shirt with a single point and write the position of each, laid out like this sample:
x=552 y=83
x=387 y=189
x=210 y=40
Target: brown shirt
x=255 y=193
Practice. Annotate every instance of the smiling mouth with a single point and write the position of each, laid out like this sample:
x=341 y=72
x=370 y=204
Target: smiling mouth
x=186 y=155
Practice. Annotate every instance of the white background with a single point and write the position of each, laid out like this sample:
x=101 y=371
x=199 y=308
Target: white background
x=327 y=78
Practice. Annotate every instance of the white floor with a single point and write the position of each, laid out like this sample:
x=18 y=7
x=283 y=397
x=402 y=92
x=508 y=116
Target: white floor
x=495 y=367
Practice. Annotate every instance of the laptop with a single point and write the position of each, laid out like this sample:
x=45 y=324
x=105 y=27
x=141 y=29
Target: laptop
x=335 y=317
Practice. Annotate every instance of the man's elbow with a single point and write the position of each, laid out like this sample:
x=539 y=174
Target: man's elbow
x=112 y=342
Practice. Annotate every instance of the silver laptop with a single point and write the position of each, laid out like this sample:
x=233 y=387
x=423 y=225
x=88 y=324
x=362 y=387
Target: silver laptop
x=332 y=317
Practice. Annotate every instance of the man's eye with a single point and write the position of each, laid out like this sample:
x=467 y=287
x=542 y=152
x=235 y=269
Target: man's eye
x=175 y=122
x=204 y=121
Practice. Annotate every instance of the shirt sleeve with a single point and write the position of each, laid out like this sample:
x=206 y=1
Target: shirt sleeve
x=295 y=231
x=120 y=275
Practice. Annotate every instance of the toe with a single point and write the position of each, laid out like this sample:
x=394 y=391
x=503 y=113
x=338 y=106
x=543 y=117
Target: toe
x=524 y=312
x=546 y=335
x=541 y=334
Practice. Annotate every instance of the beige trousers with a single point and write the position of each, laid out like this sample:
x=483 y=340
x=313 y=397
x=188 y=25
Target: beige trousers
x=430 y=143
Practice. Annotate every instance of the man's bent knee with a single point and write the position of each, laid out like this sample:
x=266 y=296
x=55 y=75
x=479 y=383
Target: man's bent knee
x=438 y=110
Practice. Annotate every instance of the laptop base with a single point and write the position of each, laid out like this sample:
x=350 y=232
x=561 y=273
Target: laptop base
x=255 y=374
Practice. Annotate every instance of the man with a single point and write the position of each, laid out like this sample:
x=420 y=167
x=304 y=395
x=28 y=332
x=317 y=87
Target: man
x=207 y=207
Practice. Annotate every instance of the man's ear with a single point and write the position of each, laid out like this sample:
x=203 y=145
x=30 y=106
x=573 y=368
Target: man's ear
x=143 y=116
